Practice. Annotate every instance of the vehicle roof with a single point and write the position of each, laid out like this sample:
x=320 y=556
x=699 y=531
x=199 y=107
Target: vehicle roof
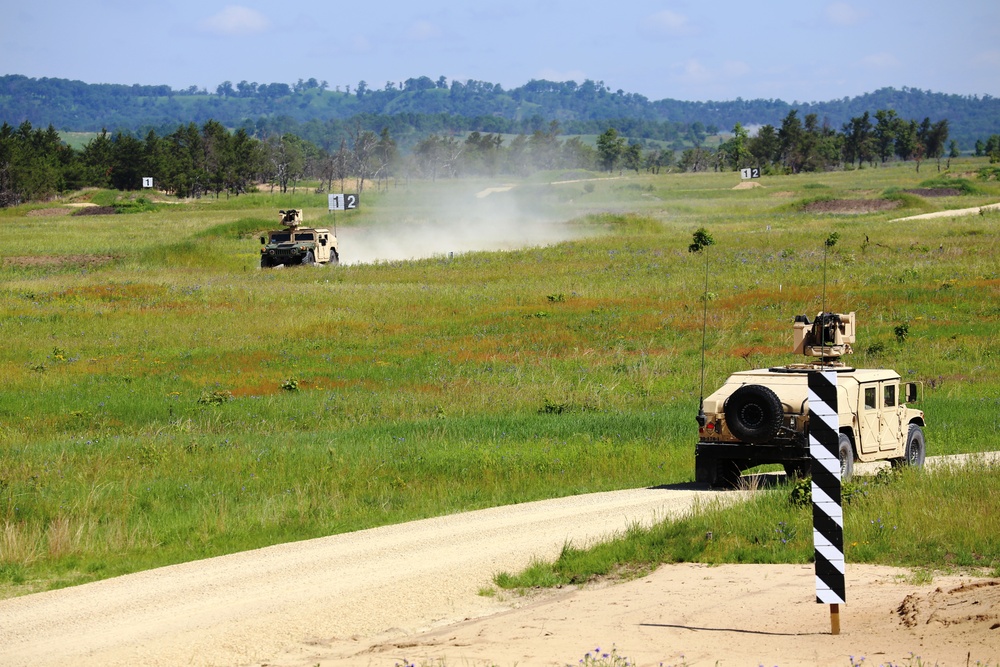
x=795 y=375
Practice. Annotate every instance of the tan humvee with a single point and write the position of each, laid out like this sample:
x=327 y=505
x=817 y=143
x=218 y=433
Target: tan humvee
x=762 y=416
x=296 y=244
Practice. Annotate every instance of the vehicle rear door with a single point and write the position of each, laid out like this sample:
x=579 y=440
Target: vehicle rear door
x=889 y=436
x=869 y=421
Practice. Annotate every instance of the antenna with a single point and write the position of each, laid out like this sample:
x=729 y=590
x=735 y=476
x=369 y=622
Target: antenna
x=701 y=418
x=831 y=241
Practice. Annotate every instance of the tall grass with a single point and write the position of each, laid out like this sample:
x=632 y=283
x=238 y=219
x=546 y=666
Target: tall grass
x=169 y=400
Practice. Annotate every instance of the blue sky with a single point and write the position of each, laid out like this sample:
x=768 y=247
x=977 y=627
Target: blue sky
x=795 y=51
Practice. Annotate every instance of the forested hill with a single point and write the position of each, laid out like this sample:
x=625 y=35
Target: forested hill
x=424 y=105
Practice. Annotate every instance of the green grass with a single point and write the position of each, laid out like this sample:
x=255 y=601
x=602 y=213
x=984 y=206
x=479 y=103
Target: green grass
x=944 y=519
x=435 y=385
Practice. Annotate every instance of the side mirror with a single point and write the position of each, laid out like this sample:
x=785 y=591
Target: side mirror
x=911 y=392
x=263 y=240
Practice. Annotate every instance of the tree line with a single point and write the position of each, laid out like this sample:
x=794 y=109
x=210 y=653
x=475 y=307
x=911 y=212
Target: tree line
x=454 y=106
x=211 y=160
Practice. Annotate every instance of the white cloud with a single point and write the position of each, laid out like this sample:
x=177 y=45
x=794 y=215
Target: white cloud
x=423 y=30
x=665 y=23
x=844 y=15
x=236 y=20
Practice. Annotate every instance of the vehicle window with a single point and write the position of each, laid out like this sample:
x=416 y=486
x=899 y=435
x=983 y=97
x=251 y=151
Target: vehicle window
x=304 y=237
x=869 y=398
x=890 y=396
x=280 y=238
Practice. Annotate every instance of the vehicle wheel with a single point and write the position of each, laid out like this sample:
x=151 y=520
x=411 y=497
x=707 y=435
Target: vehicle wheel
x=916 y=448
x=265 y=262
x=846 y=456
x=754 y=413
x=334 y=257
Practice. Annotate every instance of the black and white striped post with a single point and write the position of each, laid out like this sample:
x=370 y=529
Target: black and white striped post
x=828 y=512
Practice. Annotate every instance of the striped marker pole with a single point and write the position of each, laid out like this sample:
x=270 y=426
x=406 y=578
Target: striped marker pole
x=828 y=513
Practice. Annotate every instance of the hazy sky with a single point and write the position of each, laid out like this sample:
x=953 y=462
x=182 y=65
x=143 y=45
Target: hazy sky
x=692 y=50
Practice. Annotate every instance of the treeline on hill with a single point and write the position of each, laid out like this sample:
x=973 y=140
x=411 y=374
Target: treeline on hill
x=416 y=107
x=195 y=161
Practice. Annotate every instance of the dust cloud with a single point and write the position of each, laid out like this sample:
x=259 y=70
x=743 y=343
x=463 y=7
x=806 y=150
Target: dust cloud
x=443 y=220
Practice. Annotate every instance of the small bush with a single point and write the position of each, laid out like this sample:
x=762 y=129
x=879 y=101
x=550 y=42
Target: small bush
x=215 y=397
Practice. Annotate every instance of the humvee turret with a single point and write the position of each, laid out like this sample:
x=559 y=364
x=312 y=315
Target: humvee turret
x=762 y=416
x=296 y=244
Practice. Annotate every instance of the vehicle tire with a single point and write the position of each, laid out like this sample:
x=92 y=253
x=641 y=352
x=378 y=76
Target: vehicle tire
x=334 y=258
x=265 y=262
x=916 y=448
x=754 y=413
x=846 y=456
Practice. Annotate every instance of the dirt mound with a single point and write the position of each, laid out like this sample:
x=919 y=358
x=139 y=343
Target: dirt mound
x=851 y=206
x=971 y=604
x=747 y=185
x=934 y=192
x=96 y=210
x=45 y=212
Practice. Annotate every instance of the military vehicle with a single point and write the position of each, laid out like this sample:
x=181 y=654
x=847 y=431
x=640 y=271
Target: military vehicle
x=762 y=416
x=296 y=244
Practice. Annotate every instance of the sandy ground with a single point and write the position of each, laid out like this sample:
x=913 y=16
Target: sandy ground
x=411 y=593
x=951 y=214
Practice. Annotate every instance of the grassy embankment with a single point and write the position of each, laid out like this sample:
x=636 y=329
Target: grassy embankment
x=164 y=400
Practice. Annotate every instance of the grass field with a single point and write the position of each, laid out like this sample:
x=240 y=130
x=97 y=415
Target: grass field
x=165 y=400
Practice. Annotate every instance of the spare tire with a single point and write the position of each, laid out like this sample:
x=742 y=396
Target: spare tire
x=754 y=413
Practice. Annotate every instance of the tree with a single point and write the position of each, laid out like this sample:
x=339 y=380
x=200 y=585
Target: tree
x=695 y=159
x=386 y=155
x=363 y=152
x=286 y=158
x=97 y=160
x=887 y=127
x=126 y=162
x=765 y=148
x=936 y=140
x=858 y=140
x=790 y=142
x=907 y=141
x=734 y=153
x=633 y=157
x=543 y=146
x=610 y=148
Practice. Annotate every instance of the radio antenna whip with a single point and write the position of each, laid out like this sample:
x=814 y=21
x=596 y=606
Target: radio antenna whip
x=831 y=241
x=701 y=418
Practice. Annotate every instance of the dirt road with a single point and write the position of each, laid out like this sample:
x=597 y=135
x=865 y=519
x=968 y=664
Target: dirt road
x=253 y=607
x=408 y=594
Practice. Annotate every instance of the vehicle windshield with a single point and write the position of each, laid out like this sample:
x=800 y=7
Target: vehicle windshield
x=281 y=237
x=304 y=237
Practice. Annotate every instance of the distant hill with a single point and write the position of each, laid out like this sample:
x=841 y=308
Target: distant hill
x=421 y=105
